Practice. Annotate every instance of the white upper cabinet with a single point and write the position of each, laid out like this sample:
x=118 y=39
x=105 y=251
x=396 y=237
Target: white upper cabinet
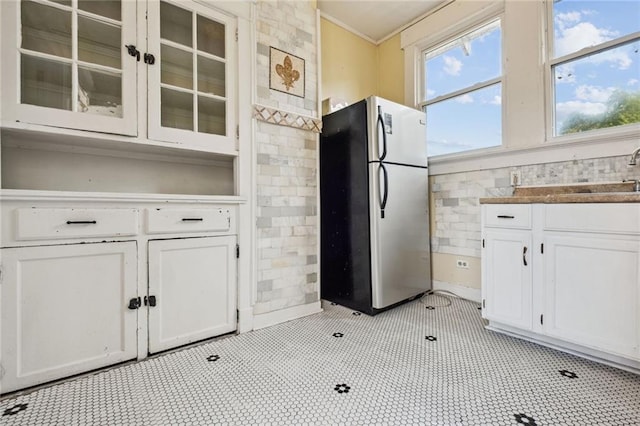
x=76 y=64
x=65 y=64
x=192 y=83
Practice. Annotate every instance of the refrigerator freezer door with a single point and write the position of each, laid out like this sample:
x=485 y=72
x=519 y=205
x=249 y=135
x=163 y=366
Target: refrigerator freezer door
x=400 y=263
x=405 y=132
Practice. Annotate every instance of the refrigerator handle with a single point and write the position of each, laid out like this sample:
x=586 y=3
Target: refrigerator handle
x=380 y=123
x=385 y=186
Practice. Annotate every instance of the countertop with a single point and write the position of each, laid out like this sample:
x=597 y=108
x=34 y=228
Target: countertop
x=608 y=192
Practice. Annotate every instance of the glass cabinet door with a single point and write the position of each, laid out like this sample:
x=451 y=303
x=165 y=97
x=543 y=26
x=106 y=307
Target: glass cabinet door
x=189 y=87
x=72 y=62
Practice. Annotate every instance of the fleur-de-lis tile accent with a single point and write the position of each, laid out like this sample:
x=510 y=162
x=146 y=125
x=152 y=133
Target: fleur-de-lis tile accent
x=287 y=73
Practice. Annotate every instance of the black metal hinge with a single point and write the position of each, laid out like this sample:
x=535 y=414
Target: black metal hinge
x=133 y=51
x=541 y=318
x=237 y=251
x=542 y=248
x=236 y=34
x=134 y=303
x=483 y=243
x=150 y=301
x=483 y=303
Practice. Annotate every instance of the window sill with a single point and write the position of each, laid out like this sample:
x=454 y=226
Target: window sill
x=598 y=144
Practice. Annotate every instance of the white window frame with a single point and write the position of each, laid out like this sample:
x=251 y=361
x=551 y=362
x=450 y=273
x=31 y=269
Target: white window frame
x=596 y=135
x=423 y=102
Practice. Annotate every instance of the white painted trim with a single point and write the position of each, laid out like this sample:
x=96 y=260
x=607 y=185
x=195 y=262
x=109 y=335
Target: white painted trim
x=33 y=195
x=346 y=27
x=246 y=172
x=473 y=294
x=276 y=317
x=413 y=22
x=581 y=351
x=499 y=157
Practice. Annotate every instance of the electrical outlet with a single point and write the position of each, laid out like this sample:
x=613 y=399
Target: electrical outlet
x=462 y=264
x=515 y=177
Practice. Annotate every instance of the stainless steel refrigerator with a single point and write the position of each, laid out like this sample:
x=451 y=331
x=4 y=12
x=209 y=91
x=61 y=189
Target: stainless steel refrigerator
x=374 y=219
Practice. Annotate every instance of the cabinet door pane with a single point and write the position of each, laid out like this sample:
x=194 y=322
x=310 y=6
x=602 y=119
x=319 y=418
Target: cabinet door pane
x=176 y=109
x=211 y=36
x=46 y=29
x=45 y=83
x=176 y=67
x=211 y=76
x=99 y=42
x=175 y=24
x=99 y=92
x=107 y=8
x=211 y=116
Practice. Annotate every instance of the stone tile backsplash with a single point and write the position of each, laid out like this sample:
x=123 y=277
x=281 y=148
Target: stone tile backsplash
x=286 y=163
x=456 y=207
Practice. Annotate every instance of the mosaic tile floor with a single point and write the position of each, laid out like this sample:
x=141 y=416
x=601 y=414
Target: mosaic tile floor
x=415 y=364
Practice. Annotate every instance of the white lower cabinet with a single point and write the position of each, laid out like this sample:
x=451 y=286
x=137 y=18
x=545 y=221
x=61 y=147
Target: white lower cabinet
x=591 y=292
x=192 y=287
x=65 y=310
x=507 y=290
x=572 y=279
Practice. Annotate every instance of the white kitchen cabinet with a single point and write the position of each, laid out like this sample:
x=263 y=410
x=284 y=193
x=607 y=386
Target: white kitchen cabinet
x=65 y=310
x=592 y=292
x=192 y=285
x=192 y=85
x=65 y=64
x=74 y=65
x=582 y=291
x=506 y=264
x=507 y=277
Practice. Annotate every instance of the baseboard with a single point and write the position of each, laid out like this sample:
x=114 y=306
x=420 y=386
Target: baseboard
x=468 y=293
x=283 y=315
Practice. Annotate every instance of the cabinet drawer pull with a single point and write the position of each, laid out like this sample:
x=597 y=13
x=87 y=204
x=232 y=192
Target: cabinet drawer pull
x=504 y=216
x=524 y=255
x=192 y=219
x=81 y=222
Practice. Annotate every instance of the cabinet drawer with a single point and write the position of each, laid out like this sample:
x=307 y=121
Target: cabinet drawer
x=46 y=223
x=616 y=218
x=161 y=221
x=508 y=215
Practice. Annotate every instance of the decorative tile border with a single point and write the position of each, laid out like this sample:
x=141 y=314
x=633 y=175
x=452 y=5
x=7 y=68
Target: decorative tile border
x=289 y=119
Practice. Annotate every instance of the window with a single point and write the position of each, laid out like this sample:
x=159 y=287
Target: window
x=594 y=65
x=463 y=91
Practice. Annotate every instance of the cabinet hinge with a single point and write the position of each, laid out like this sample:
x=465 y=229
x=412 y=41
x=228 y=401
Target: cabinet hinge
x=542 y=248
x=237 y=251
x=483 y=243
x=134 y=303
x=238 y=132
x=541 y=318
x=483 y=303
x=236 y=34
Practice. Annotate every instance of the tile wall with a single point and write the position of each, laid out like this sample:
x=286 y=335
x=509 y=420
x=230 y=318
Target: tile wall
x=287 y=155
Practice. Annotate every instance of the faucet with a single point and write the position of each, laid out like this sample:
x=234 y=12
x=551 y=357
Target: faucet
x=634 y=155
x=636 y=184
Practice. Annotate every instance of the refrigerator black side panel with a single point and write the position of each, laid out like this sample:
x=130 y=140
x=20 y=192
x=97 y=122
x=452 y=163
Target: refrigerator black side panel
x=345 y=263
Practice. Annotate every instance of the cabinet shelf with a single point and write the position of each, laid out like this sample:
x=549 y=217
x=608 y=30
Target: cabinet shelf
x=25 y=135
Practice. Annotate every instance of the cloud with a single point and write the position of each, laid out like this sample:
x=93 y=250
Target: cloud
x=452 y=66
x=579 y=36
x=465 y=99
x=562 y=19
x=565 y=109
x=497 y=100
x=430 y=92
x=632 y=82
x=594 y=93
